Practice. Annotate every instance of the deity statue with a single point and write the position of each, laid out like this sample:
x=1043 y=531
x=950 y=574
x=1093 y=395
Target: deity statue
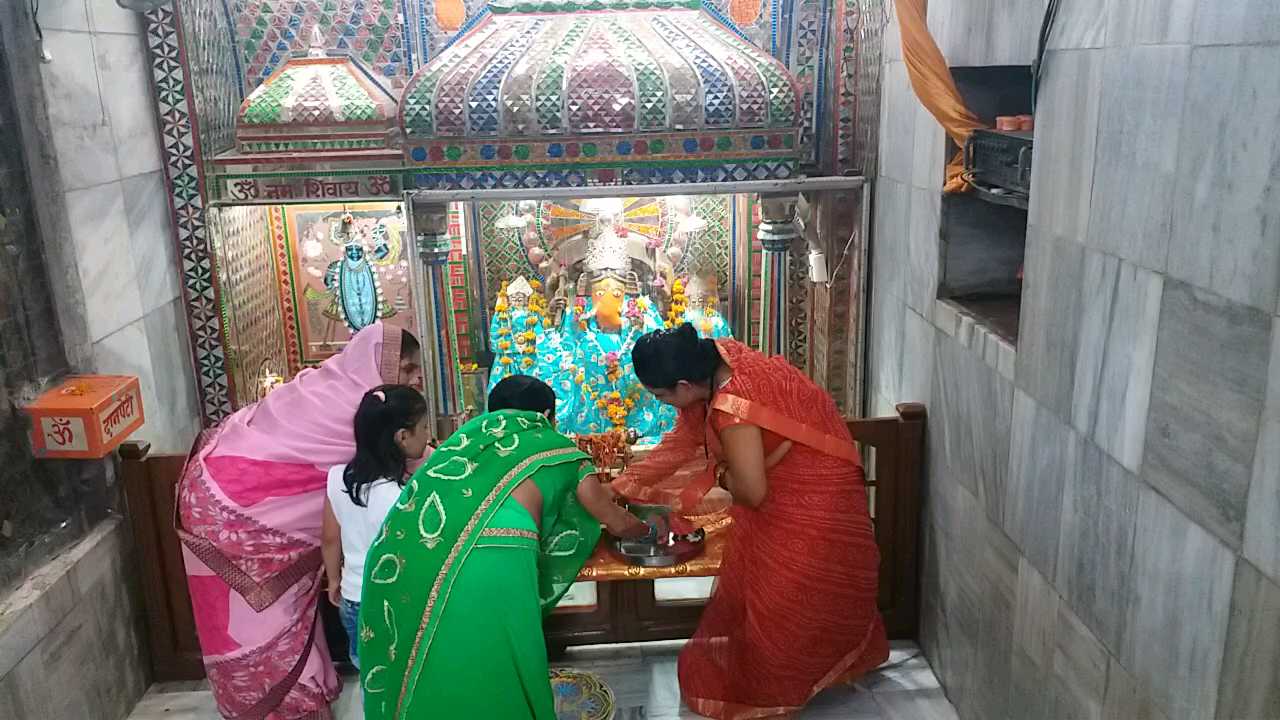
x=520 y=331
x=599 y=391
x=693 y=301
x=353 y=288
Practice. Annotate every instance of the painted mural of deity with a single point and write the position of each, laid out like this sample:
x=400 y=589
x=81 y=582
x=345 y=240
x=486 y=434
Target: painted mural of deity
x=355 y=293
x=346 y=268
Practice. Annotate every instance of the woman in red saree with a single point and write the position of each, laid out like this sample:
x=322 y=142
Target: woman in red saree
x=250 y=507
x=794 y=608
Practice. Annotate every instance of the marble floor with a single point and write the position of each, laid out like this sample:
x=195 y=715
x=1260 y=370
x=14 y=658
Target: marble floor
x=643 y=678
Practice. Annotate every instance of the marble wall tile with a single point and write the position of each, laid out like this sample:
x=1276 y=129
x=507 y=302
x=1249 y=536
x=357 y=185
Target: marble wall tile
x=1116 y=357
x=918 y=338
x=998 y=575
x=106 y=16
x=1143 y=90
x=920 y=279
x=1080 y=665
x=1099 y=517
x=1034 y=639
x=1151 y=22
x=153 y=248
x=897 y=124
x=124 y=68
x=889 y=243
x=1014 y=31
x=892 y=50
x=174 y=378
x=65 y=15
x=974 y=33
x=100 y=234
x=1125 y=699
x=128 y=352
x=951 y=433
x=953 y=535
x=1226 y=220
x=881 y=406
x=885 y=373
x=952 y=22
x=77 y=115
x=1049 y=329
x=1044 y=457
x=993 y=430
x=1250 y=686
x=1179 y=602
x=1242 y=22
x=974 y=406
x=1262 y=523
x=1206 y=398
x=1081 y=25
x=1066 y=137
x=930 y=159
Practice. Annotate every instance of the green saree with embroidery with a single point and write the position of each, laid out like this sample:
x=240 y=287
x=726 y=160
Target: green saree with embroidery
x=458 y=582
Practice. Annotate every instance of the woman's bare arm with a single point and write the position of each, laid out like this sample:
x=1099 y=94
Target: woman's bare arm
x=747 y=475
x=331 y=551
x=598 y=500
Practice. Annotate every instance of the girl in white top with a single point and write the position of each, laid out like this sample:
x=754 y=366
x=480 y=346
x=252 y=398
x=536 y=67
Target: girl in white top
x=391 y=430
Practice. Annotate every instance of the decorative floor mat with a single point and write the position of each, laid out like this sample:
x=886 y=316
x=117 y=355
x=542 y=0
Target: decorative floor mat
x=581 y=696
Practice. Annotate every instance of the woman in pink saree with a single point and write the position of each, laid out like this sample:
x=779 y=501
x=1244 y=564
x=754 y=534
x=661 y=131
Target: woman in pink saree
x=249 y=515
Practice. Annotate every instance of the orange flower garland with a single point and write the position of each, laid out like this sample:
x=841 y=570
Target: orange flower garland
x=675 y=314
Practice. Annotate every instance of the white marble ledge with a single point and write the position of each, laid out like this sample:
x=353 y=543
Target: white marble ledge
x=972 y=333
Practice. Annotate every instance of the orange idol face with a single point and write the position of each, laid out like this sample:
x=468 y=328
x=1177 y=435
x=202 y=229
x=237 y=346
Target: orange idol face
x=607 y=297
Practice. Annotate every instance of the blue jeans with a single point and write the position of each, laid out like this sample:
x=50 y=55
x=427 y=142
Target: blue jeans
x=350 y=614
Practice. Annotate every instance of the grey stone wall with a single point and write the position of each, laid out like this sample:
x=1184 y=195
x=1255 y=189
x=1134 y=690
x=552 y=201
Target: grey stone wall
x=1102 y=531
x=71 y=643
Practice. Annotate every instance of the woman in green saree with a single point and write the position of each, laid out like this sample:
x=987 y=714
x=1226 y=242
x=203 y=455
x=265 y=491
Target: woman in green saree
x=484 y=541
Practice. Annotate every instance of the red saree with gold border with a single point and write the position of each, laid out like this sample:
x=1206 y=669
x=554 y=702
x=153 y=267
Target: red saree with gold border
x=794 y=610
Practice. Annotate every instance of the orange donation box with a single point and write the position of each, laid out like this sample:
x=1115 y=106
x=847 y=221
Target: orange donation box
x=86 y=417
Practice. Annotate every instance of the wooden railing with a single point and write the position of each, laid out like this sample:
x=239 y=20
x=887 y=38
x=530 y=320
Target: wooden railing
x=626 y=611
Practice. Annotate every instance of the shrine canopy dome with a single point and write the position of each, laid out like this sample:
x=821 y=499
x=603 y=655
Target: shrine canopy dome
x=546 y=93
x=317 y=104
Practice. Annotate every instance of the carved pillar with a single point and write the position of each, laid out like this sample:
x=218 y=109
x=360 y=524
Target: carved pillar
x=777 y=232
x=441 y=371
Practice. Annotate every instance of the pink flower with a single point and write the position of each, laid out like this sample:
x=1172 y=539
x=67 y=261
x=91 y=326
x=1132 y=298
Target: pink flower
x=611 y=358
x=653 y=243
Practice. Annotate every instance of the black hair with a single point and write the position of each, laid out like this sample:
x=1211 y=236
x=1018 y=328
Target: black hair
x=409 y=344
x=383 y=411
x=522 y=392
x=663 y=358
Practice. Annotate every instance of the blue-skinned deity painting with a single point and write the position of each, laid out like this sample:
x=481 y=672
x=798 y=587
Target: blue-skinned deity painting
x=348 y=269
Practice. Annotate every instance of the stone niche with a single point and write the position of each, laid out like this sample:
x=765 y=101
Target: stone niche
x=983 y=242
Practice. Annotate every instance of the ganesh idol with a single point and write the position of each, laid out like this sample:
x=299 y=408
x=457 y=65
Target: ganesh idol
x=599 y=391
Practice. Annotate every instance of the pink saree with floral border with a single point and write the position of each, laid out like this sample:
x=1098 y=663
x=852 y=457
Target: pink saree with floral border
x=249 y=514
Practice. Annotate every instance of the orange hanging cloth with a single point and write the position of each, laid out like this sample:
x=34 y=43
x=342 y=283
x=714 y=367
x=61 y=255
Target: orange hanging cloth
x=931 y=79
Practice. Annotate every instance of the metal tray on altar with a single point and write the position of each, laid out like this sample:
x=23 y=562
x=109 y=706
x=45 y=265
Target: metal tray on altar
x=653 y=555
x=647 y=554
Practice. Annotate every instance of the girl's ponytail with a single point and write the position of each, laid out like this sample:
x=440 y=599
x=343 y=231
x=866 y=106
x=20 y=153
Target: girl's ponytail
x=383 y=412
